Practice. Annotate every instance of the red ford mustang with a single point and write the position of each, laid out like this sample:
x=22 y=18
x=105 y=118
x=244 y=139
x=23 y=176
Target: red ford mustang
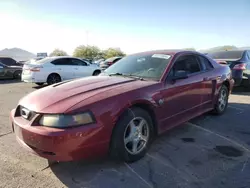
x=123 y=109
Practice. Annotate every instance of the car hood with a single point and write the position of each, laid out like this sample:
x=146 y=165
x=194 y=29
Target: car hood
x=58 y=98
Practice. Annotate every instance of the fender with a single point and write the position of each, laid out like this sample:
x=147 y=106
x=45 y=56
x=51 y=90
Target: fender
x=150 y=103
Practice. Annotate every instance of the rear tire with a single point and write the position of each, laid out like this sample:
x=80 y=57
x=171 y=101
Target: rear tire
x=222 y=101
x=17 y=74
x=132 y=135
x=96 y=72
x=53 y=78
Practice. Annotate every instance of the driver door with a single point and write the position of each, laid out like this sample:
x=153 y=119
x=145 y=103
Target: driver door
x=182 y=97
x=2 y=70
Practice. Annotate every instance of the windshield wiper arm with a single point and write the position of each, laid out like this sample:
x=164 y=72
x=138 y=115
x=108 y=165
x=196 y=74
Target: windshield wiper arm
x=134 y=76
x=126 y=75
x=116 y=74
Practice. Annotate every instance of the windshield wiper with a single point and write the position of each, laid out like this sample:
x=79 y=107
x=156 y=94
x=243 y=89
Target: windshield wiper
x=126 y=75
x=134 y=76
x=116 y=74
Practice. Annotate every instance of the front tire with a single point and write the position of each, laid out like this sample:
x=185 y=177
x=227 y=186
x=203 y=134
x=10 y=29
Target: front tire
x=53 y=78
x=222 y=101
x=17 y=74
x=132 y=135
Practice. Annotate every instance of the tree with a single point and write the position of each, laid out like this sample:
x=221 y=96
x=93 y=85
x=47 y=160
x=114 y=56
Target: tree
x=89 y=52
x=111 y=52
x=58 y=52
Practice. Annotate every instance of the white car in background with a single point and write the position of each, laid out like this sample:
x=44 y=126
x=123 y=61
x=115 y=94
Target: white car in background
x=56 y=69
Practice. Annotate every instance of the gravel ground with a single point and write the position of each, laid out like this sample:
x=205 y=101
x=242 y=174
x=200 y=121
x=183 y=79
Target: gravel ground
x=209 y=151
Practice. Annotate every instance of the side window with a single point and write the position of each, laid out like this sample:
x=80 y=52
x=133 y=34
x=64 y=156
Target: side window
x=1 y=64
x=116 y=60
x=187 y=63
x=248 y=53
x=248 y=64
x=205 y=63
x=78 y=62
x=63 y=61
x=8 y=61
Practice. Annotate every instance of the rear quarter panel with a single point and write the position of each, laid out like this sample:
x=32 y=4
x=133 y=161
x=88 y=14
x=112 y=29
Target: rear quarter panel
x=223 y=74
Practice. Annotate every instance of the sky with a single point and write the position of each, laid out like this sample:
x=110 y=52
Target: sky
x=131 y=25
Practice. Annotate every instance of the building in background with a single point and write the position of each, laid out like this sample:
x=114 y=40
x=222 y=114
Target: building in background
x=42 y=55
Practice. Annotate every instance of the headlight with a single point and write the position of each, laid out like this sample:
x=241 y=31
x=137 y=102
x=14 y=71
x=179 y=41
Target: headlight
x=64 y=121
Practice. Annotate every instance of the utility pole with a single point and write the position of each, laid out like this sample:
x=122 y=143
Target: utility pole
x=87 y=37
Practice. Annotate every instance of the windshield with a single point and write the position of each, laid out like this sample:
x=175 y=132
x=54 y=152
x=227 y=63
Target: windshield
x=144 y=66
x=226 y=55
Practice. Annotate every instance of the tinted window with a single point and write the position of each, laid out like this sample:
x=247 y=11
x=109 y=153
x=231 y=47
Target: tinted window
x=63 y=61
x=248 y=55
x=205 y=63
x=1 y=64
x=226 y=55
x=149 y=66
x=8 y=61
x=78 y=62
x=117 y=59
x=186 y=63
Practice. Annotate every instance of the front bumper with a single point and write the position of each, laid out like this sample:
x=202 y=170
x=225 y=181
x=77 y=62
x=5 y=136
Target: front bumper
x=60 y=144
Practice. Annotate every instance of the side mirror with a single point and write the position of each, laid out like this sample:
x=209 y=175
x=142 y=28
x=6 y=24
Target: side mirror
x=180 y=75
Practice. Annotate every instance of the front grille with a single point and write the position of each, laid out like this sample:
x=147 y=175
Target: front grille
x=25 y=113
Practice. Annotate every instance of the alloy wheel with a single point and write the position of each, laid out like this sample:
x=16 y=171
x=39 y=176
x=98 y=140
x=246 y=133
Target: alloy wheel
x=136 y=135
x=222 y=100
x=54 y=79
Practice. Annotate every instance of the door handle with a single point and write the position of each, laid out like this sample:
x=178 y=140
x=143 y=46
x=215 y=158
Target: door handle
x=76 y=68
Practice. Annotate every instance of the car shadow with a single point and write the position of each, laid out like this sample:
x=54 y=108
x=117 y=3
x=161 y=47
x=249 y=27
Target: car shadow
x=10 y=81
x=241 y=90
x=107 y=172
x=95 y=172
x=39 y=87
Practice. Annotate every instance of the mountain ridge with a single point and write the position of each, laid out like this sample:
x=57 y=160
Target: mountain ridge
x=17 y=53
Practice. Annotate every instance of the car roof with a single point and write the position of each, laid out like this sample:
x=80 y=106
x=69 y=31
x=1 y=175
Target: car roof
x=52 y=58
x=60 y=57
x=237 y=50
x=167 y=52
x=6 y=57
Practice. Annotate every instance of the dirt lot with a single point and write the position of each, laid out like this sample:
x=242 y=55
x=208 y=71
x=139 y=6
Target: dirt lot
x=209 y=151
